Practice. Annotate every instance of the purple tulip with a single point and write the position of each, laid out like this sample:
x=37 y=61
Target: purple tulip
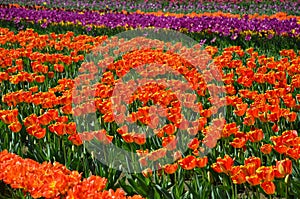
x=248 y=37
x=229 y=6
x=224 y=26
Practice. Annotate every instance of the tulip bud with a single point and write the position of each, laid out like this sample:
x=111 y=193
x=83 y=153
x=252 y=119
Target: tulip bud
x=147 y=172
x=210 y=177
x=177 y=155
x=287 y=179
x=265 y=115
x=281 y=168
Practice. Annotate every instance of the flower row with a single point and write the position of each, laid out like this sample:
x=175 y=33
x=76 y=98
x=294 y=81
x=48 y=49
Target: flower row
x=173 y=6
x=52 y=180
x=253 y=173
x=222 y=25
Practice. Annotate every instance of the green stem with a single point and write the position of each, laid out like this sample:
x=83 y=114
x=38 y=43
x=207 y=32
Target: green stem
x=235 y=191
x=232 y=189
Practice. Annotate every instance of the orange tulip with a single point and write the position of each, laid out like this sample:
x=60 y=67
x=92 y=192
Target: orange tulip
x=142 y=153
x=253 y=180
x=275 y=128
x=249 y=120
x=265 y=173
x=266 y=149
x=284 y=167
x=239 y=177
x=30 y=120
x=140 y=138
x=256 y=135
x=40 y=78
x=159 y=132
x=108 y=117
x=294 y=152
x=210 y=141
x=268 y=187
x=253 y=160
x=34 y=89
x=86 y=136
x=128 y=137
x=241 y=109
x=177 y=155
x=157 y=154
x=239 y=141
x=102 y=136
x=122 y=130
x=194 y=144
x=169 y=142
x=15 y=127
x=202 y=162
x=193 y=130
x=51 y=75
x=58 y=128
x=40 y=133
x=44 y=119
x=143 y=161
x=170 y=168
x=67 y=109
x=9 y=117
x=223 y=165
x=147 y=172
x=188 y=163
x=75 y=139
x=229 y=129
x=36 y=130
x=59 y=67
x=206 y=113
x=291 y=117
x=169 y=129
x=230 y=90
x=202 y=122
x=281 y=148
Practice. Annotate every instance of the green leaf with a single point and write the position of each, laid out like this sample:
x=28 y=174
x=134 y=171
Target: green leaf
x=128 y=189
x=140 y=190
x=191 y=189
x=1 y=124
x=163 y=192
x=144 y=182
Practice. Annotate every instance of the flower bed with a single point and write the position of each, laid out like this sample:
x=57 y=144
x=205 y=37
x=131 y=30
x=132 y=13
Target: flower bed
x=193 y=120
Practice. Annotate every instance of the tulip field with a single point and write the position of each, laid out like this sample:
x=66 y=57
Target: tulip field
x=149 y=99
